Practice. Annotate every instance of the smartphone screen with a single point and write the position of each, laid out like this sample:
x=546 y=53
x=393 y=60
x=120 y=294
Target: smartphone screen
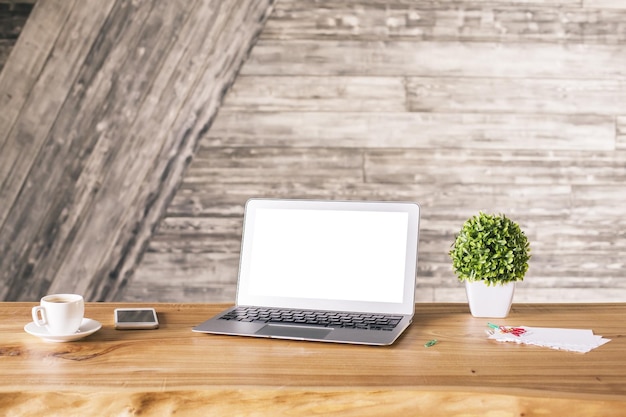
x=136 y=318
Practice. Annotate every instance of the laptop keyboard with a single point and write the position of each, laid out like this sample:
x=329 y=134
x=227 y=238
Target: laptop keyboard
x=314 y=318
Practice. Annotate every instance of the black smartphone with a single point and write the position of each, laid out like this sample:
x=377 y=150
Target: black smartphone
x=136 y=318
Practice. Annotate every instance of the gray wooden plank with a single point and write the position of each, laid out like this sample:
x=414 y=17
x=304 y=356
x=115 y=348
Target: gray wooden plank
x=413 y=130
x=268 y=93
x=20 y=75
x=275 y=165
x=604 y=4
x=24 y=235
x=24 y=117
x=437 y=59
x=605 y=201
x=519 y=168
x=516 y=95
x=432 y=94
x=544 y=21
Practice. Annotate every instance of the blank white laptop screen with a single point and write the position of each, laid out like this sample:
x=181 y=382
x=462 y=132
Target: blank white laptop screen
x=303 y=253
x=319 y=258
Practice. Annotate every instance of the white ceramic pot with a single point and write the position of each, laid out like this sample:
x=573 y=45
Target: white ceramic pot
x=489 y=301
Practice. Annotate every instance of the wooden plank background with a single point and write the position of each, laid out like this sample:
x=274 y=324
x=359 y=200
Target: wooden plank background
x=101 y=107
x=500 y=106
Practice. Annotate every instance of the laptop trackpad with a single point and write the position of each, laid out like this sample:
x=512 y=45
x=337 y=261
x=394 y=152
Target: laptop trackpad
x=294 y=331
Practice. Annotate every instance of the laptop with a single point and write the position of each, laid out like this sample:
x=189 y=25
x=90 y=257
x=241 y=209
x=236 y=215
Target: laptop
x=328 y=271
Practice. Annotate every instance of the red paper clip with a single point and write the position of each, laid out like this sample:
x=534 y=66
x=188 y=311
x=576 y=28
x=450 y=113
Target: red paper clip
x=515 y=331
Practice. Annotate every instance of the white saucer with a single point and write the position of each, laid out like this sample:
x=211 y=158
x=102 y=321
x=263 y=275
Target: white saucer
x=87 y=327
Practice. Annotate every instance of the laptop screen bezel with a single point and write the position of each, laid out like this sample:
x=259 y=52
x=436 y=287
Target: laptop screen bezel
x=246 y=297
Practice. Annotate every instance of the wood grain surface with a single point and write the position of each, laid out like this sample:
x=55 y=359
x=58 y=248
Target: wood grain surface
x=175 y=371
x=297 y=402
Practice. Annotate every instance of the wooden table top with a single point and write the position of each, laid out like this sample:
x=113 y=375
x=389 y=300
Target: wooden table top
x=464 y=369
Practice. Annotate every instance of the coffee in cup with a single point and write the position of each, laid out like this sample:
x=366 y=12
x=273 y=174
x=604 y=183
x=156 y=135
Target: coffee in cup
x=60 y=314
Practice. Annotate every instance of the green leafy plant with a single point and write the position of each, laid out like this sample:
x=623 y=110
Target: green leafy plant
x=491 y=248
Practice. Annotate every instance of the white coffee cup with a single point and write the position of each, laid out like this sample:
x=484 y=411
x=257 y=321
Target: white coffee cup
x=60 y=314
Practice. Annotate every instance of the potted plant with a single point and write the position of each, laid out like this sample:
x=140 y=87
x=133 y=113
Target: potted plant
x=490 y=254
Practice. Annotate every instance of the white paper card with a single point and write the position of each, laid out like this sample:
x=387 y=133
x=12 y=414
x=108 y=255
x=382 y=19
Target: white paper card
x=574 y=340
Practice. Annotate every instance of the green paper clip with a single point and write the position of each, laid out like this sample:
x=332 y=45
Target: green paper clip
x=430 y=343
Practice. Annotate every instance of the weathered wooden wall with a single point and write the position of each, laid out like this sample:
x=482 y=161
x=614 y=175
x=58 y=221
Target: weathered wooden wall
x=501 y=106
x=102 y=103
